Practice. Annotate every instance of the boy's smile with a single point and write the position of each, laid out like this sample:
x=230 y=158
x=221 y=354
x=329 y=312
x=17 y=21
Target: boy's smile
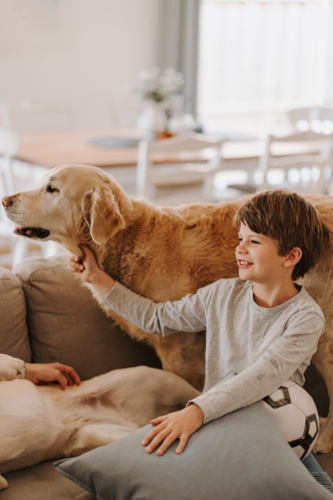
x=244 y=264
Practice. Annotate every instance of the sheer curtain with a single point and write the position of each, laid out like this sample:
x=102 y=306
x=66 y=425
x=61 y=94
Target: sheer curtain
x=180 y=31
x=263 y=57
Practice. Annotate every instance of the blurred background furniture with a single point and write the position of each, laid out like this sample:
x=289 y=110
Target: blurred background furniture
x=303 y=172
x=317 y=118
x=9 y=146
x=160 y=182
x=16 y=176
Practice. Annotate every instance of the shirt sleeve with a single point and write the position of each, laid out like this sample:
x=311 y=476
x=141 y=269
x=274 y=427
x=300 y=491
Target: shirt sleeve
x=166 y=318
x=278 y=363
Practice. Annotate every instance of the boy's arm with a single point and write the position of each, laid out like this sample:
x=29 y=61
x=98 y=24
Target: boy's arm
x=166 y=318
x=272 y=369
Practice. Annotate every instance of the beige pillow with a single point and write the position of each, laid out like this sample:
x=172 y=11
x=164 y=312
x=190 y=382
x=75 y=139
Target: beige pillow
x=67 y=325
x=14 y=339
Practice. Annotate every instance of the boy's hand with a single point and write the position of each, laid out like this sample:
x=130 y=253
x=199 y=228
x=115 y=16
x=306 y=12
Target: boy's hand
x=52 y=372
x=178 y=425
x=87 y=270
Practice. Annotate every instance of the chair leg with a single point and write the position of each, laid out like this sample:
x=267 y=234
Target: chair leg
x=207 y=188
x=21 y=250
x=50 y=249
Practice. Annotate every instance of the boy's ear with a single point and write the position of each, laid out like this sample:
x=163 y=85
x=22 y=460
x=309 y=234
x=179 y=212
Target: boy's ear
x=103 y=214
x=293 y=257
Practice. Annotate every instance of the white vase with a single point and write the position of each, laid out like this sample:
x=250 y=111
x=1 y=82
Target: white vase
x=152 y=121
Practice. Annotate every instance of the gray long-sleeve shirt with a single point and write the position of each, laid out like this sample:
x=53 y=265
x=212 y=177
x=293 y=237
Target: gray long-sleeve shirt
x=263 y=346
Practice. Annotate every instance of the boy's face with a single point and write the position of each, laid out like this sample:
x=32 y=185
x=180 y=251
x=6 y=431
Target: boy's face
x=257 y=257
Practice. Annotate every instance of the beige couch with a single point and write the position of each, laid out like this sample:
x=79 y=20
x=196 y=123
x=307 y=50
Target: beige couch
x=46 y=315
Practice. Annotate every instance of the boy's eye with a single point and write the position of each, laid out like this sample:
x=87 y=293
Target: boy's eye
x=254 y=241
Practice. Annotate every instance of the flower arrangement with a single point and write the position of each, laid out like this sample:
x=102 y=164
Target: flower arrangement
x=161 y=91
x=159 y=87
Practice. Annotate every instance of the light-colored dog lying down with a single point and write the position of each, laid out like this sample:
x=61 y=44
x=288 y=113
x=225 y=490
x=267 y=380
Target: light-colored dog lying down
x=44 y=422
x=160 y=253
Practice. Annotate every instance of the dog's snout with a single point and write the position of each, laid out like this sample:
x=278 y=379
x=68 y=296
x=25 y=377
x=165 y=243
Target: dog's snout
x=6 y=201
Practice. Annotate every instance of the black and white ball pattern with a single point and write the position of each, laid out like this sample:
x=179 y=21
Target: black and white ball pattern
x=295 y=415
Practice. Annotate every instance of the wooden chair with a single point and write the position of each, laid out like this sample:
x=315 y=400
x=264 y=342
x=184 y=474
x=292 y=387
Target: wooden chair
x=316 y=118
x=9 y=147
x=151 y=177
x=321 y=162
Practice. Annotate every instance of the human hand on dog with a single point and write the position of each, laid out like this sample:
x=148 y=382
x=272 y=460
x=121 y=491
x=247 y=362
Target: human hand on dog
x=52 y=372
x=86 y=268
x=178 y=425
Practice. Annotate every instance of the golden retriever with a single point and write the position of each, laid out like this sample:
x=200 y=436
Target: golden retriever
x=44 y=422
x=159 y=252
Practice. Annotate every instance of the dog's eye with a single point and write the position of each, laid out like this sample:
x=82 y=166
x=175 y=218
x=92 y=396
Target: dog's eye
x=51 y=189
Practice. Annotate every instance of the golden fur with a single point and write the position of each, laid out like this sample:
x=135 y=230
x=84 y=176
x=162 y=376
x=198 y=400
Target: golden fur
x=39 y=423
x=162 y=253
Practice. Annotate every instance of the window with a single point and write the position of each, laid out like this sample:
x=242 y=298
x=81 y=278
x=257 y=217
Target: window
x=263 y=57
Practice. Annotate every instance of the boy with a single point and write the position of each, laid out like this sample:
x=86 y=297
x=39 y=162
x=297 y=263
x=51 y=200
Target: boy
x=261 y=325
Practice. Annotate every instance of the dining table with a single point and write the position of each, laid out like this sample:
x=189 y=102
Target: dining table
x=115 y=148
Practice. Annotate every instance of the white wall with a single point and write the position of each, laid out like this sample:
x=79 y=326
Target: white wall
x=80 y=55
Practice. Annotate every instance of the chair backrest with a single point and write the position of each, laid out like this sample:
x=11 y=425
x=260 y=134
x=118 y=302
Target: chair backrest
x=301 y=159
x=9 y=147
x=30 y=116
x=186 y=143
x=316 y=118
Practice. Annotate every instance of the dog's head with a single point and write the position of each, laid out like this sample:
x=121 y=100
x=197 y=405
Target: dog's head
x=73 y=205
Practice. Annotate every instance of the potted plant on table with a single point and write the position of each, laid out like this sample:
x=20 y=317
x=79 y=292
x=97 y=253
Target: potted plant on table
x=162 y=94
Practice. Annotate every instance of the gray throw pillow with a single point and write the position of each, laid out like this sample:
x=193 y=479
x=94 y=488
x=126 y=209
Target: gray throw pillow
x=240 y=456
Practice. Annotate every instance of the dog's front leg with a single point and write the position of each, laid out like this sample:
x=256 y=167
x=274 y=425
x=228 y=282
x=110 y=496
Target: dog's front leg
x=3 y=483
x=11 y=368
x=92 y=436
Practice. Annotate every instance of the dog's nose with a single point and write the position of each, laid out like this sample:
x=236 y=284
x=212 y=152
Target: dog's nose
x=6 y=201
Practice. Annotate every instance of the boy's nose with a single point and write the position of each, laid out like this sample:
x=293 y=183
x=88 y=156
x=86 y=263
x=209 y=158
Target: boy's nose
x=241 y=248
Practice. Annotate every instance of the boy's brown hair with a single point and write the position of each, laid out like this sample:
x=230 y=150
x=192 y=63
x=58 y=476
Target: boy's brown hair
x=291 y=221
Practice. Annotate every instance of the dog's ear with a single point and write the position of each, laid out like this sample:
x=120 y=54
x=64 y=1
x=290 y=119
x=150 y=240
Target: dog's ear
x=104 y=216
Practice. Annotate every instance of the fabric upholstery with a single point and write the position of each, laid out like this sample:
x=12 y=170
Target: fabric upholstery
x=14 y=339
x=41 y=482
x=66 y=324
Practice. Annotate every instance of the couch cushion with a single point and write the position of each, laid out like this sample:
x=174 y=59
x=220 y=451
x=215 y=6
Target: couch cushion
x=67 y=325
x=14 y=339
x=41 y=482
x=240 y=456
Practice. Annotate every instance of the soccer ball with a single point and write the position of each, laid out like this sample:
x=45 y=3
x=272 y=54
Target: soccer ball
x=295 y=415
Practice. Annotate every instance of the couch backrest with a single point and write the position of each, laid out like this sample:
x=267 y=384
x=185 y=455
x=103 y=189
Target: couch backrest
x=66 y=324
x=14 y=339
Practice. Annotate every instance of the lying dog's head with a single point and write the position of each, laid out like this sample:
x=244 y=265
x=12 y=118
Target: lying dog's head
x=73 y=205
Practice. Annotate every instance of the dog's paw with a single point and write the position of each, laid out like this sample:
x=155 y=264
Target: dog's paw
x=3 y=483
x=11 y=368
